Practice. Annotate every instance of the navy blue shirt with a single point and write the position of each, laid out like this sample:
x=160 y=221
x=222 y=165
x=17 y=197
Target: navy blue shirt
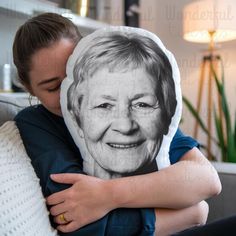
x=52 y=150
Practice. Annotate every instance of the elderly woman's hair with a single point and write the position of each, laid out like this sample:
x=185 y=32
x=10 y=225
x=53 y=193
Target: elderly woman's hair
x=120 y=52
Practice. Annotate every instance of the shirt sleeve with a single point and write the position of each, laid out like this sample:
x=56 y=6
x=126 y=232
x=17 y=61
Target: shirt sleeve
x=180 y=145
x=52 y=150
x=125 y=222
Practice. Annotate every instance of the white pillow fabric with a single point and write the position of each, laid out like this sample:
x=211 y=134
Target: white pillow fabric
x=22 y=206
x=162 y=158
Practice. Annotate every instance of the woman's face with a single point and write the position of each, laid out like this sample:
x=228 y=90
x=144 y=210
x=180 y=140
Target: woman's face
x=48 y=69
x=121 y=119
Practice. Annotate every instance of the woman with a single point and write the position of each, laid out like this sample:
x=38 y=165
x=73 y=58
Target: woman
x=122 y=101
x=41 y=49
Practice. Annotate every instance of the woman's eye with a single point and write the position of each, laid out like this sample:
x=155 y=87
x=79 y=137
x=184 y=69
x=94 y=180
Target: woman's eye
x=54 y=89
x=104 y=106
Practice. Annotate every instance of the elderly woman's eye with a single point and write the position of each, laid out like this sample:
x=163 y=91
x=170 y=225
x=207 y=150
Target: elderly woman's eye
x=104 y=106
x=142 y=105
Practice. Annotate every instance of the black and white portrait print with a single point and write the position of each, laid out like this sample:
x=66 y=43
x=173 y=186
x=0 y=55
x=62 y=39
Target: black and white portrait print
x=121 y=101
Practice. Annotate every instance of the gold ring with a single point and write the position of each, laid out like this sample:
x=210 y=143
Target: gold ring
x=62 y=218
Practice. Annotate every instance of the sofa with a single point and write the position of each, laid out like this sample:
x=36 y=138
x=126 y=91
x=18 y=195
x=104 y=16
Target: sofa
x=11 y=104
x=223 y=205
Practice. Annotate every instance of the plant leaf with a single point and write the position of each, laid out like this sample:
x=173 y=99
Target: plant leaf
x=231 y=149
x=221 y=90
x=235 y=130
x=220 y=135
x=195 y=114
x=230 y=143
x=226 y=136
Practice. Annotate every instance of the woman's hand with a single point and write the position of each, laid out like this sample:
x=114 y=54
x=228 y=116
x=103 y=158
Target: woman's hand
x=87 y=200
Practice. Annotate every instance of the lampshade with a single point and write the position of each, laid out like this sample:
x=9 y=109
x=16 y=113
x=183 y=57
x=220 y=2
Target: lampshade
x=202 y=17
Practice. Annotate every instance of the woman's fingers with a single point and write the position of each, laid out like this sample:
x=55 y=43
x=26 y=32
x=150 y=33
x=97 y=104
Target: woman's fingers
x=62 y=219
x=56 y=198
x=58 y=209
x=79 y=201
x=70 y=227
x=66 y=178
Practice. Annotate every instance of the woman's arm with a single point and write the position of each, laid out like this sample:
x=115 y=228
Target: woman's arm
x=169 y=221
x=181 y=185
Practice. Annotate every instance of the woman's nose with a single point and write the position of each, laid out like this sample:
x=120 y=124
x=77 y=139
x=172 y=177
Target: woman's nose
x=124 y=123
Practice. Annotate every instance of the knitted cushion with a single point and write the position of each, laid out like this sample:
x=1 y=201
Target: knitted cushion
x=22 y=205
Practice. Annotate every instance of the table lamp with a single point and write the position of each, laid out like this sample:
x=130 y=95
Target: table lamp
x=209 y=21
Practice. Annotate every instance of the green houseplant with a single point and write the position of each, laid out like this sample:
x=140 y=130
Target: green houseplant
x=225 y=128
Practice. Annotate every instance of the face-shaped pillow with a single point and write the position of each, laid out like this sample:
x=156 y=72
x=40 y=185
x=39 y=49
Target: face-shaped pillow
x=121 y=101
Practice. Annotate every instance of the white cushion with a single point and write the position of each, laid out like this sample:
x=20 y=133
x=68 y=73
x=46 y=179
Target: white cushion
x=22 y=206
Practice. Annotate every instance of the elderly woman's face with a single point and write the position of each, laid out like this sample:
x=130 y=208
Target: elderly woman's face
x=121 y=119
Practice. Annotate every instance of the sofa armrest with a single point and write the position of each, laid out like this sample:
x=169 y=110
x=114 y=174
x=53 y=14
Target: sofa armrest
x=11 y=104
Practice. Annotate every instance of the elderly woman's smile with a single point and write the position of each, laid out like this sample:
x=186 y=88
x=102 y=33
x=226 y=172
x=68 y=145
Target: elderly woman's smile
x=120 y=119
x=123 y=145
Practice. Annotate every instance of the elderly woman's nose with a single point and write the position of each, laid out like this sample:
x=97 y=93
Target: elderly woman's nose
x=124 y=123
